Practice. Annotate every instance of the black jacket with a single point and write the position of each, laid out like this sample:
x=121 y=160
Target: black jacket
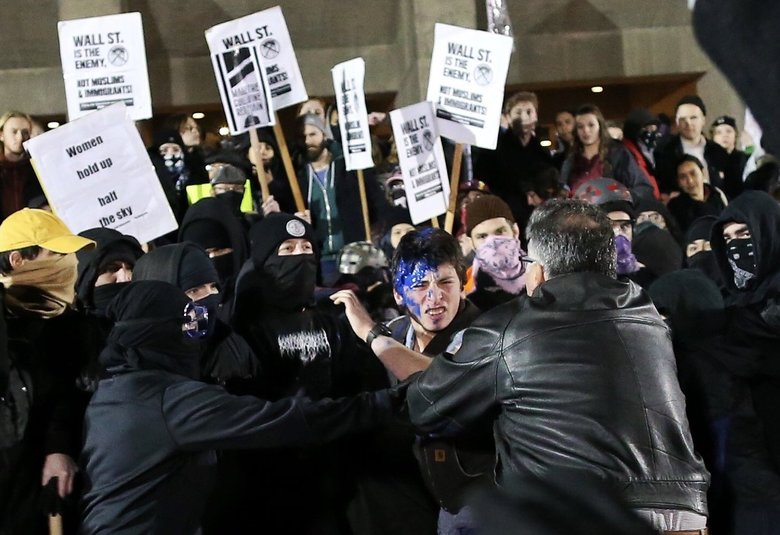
x=580 y=376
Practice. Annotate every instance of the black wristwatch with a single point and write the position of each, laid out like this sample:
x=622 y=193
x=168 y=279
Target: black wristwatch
x=379 y=329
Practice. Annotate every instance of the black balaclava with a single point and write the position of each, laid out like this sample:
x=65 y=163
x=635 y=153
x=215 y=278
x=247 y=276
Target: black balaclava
x=692 y=301
x=657 y=250
x=704 y=261
x=147 y=333
x=111 y=246
x=287 y=282
x=211 y=223
x=761 y=214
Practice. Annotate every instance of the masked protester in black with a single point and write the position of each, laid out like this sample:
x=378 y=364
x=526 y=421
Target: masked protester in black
x=303 y=350
x=227 y=359
x=746 y=244
x=102 y=273
x=151 y=429
x=698 y=250
x=211 y=224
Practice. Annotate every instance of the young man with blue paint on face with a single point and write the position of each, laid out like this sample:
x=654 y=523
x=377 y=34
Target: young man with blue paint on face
x=428 y=285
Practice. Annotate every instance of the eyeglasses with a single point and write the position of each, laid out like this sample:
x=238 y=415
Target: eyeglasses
x=527 y=261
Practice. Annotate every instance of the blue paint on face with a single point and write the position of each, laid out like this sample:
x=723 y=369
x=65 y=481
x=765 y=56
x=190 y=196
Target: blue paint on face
x=409 y=275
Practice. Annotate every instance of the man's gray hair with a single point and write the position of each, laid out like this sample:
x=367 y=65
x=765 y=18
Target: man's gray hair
x=570 y=236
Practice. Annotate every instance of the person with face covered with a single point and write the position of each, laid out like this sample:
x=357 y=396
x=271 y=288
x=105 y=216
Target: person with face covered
x=102 y=273
x=305 y=350
x=745 y=243
x=212 y=224
x=175 y=173
x=227 y=359
x=151 y=428
x=640 y=137
x=497 y=274
x=698 y=250
x=332 y=195
x=40 y=406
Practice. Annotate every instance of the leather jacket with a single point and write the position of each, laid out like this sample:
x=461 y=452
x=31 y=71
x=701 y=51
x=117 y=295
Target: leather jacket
x=579 y=376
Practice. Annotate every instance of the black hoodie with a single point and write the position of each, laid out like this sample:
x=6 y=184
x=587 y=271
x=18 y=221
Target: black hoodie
x=151 y=430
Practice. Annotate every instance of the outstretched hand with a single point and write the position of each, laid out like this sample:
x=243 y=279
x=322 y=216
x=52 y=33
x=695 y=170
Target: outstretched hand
x=359 y=319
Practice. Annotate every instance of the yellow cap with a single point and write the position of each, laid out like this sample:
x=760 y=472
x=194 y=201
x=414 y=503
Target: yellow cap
x=29 y=227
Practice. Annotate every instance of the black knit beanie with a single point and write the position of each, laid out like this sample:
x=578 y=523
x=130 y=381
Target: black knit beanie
x=266 y=235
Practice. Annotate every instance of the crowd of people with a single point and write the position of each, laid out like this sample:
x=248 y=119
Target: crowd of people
x=591 y=349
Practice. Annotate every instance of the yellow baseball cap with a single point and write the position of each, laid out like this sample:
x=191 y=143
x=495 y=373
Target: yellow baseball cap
x=28 y=227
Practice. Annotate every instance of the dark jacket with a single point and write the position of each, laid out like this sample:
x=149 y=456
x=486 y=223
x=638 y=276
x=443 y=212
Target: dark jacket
x=619 y=165
x=348 y=200
x=686 y=210
x=18 y=186
x=151 y=429
x=723 y=172
x=579 y=376
x=510 y=167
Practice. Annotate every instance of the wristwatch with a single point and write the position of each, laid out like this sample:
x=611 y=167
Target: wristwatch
x=379 y=329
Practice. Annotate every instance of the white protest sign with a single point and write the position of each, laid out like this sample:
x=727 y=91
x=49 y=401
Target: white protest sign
x=266 y=31
x=422 y=161
x=103 y=62
x=466 y=84
x=348 y=80
x=243 y=89
x=96 y=172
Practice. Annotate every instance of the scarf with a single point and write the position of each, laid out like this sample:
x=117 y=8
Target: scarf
x=43 y=288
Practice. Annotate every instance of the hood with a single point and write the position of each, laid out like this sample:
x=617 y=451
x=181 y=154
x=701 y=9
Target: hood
x=107 y=242
x=761 y=213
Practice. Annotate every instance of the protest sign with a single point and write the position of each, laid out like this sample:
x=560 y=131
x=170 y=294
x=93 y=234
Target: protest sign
x=103 y=62
x=96 y=172
x=243 y=89
x=266 y=32
x=421 y=159
x=466 y=83
x=348 y=80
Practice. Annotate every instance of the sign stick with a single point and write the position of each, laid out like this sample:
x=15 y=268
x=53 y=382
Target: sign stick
x=454 y=180
x=364 y=203
x=435 y=222
x=288 y=166
x=261 y=177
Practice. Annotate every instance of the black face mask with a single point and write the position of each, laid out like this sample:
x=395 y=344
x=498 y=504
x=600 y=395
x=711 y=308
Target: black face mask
x=706 y=262
x=224 y=266
x=290 y=281
x=232 y=199
x=103 y=295
x=739 y=253
x=211 y=302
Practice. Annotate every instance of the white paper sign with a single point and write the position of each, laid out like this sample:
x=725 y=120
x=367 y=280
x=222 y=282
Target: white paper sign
x=96 y=172
x=103 y=62
x=267 y=32
x=348 y=80
x=422 y=162
x=243 y=89
x=466 y=84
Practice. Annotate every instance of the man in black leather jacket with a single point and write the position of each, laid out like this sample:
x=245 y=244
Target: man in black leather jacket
x=579 y=375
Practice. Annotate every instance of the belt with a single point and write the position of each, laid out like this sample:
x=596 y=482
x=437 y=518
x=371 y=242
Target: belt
x=702 y=531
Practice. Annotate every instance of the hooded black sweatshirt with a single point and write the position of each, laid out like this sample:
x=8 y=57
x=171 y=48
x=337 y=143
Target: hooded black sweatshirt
x=151 y=429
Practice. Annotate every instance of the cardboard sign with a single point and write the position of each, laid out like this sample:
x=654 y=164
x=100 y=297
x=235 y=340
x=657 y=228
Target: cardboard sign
x=265 y=31
x=103 y=62
x=348 y=80
x=422 y=161
x=466 y=84
x=243 y=89
x=96 y=172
